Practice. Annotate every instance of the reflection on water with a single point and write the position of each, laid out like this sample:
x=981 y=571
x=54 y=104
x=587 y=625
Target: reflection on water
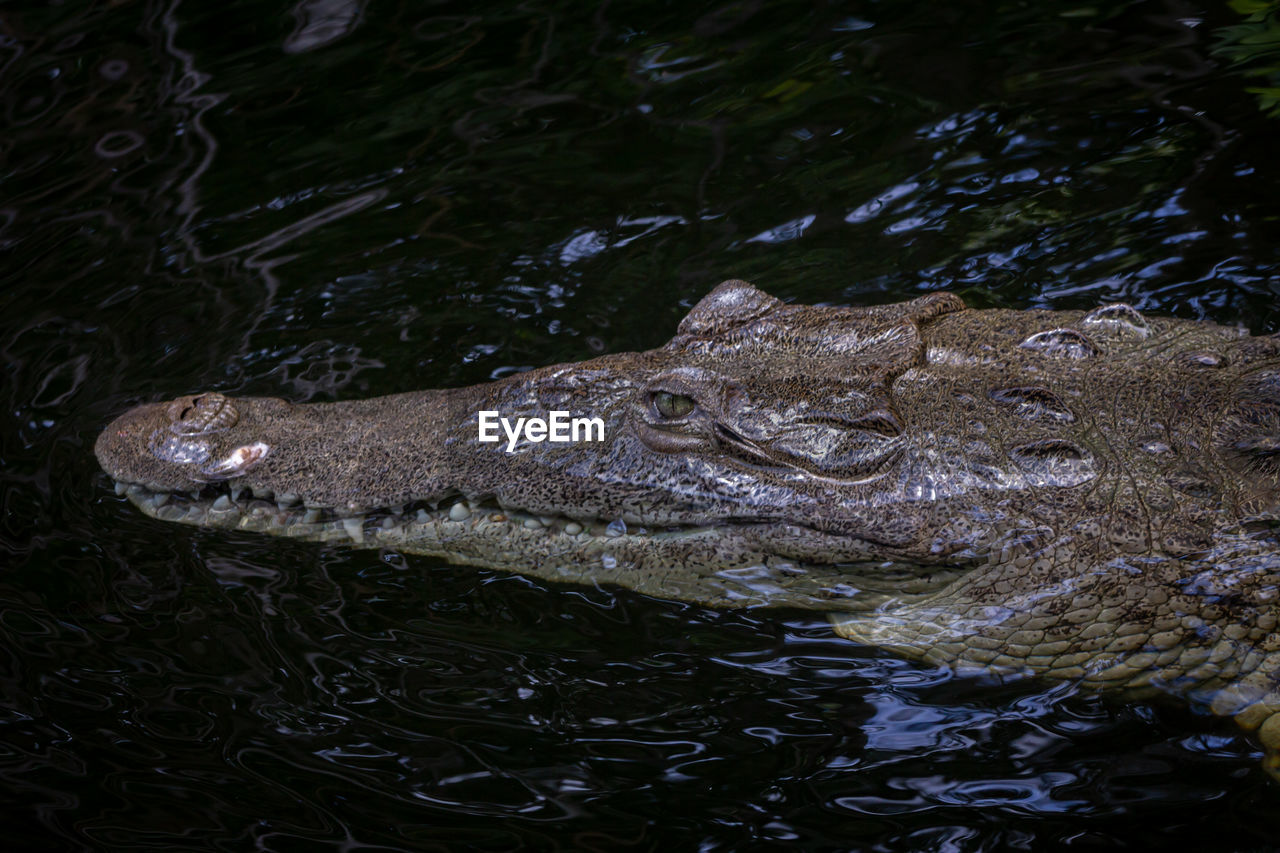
x=341 y=199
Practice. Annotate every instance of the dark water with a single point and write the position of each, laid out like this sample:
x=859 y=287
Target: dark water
x=323 y=200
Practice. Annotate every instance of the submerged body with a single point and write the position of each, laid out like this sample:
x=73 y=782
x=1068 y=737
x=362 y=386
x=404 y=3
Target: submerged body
x=1090 y=496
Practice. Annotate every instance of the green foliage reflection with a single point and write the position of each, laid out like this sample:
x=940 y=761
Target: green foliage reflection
x=1254 y=48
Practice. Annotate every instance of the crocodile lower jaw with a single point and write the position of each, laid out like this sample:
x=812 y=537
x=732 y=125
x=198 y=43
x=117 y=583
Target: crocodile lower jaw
x=727 y=564
x=220 y=506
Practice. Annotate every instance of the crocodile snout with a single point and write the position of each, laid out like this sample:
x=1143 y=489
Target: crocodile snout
x=174 y=444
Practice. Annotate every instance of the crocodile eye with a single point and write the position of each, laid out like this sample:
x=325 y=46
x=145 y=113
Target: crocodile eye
x=672 y=405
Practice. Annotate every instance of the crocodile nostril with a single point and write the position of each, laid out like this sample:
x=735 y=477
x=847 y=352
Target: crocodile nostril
x=202 y=414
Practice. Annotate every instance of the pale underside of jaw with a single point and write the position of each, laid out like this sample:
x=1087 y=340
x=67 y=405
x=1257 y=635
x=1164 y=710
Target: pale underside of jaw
x=708 y=564
x=262 y=511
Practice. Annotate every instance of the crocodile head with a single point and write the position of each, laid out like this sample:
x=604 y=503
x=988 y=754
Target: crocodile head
x=768 y=454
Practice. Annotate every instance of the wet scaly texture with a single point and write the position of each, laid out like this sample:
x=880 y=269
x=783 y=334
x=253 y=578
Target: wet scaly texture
x=1084 y=496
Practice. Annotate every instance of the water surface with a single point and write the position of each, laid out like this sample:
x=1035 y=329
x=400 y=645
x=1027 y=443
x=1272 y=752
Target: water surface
x=329 y=200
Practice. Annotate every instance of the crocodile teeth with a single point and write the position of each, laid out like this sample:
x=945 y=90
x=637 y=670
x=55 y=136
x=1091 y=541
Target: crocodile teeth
x=262 y=508
x=171 y=513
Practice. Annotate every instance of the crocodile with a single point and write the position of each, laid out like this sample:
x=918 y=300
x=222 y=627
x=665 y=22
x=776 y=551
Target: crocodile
x=1081 y=495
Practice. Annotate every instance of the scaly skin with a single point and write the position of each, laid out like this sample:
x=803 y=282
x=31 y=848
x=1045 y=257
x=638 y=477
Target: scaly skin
x=1082 y=496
